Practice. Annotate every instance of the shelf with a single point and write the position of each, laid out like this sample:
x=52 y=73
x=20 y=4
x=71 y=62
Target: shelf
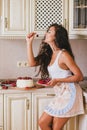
x=81 y=7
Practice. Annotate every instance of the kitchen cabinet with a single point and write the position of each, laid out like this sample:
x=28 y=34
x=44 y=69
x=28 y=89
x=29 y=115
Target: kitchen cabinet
x=71 y=14
x=14 y=18
x=83 y=120
x=17 y=111
x=40 y=100
x=78 y=18
x=45 y=12
x=21 y=109
x=1 y=111
x=19 y=17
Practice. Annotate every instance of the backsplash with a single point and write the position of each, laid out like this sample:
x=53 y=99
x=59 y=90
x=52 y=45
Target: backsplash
x=12 y=51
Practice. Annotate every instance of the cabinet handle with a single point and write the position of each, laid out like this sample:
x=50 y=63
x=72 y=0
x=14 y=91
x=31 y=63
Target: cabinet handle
x=6 y=22
x=65 y=23
x=27 y=104
x=50 y=94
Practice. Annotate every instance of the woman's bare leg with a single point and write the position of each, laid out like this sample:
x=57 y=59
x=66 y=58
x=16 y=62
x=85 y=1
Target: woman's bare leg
x=45 y=122
x=58 y=123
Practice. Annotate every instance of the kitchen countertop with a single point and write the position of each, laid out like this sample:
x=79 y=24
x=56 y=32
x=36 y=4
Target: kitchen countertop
x=83 y=85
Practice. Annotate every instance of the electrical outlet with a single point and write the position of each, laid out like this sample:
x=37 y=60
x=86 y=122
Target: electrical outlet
x=22 y=64
x=19 y=63
x=26 y=64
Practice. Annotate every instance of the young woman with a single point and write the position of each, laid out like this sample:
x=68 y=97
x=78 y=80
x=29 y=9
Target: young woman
x=56 y=60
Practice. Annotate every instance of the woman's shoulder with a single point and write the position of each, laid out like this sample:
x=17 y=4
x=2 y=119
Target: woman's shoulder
x=65 y=54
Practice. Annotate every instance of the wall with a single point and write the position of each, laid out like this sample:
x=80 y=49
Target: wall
x=12 y=51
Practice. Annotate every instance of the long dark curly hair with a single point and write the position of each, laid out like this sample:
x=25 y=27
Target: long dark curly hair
x=45 y=52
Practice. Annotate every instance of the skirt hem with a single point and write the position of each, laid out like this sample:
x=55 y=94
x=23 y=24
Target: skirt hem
x=66 y=115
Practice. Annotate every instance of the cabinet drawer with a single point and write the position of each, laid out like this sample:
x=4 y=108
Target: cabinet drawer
x=1 y=111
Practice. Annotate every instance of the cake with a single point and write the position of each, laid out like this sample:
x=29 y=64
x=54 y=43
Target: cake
x=23 y=82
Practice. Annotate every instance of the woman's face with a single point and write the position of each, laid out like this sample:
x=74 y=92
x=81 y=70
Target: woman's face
x=50 y=35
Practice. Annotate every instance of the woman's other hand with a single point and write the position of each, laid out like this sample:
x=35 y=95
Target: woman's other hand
x=52 y=82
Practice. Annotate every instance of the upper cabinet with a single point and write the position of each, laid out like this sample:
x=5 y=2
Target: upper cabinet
x=78 y=18
x=45 y=12
x=14 y=17
x=19 y=17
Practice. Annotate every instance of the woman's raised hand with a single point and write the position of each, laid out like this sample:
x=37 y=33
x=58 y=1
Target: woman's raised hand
x=30 y=36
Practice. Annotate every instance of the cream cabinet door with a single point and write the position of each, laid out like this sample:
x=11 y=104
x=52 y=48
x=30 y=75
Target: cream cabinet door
x=45 y=12
x=17 y=111
x=83 y=120
x=1 y=112
x=78 y=18
x=15 y=17
x=39 y=103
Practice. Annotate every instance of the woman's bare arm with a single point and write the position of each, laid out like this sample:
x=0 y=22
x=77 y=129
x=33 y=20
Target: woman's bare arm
x=31 y=58
x=72 y=66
